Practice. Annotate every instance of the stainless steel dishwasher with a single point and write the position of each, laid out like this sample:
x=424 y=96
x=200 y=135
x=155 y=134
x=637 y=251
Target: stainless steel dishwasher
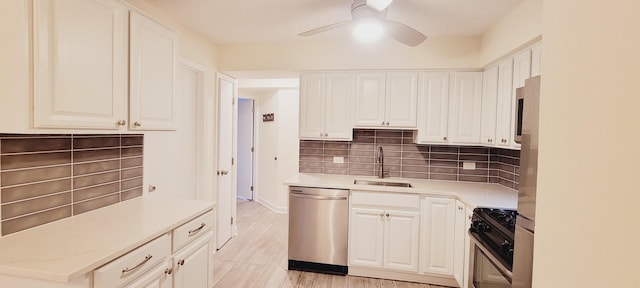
x=318 y=229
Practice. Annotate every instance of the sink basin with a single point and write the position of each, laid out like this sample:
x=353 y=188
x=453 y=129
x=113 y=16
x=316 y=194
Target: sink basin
x=381 y=183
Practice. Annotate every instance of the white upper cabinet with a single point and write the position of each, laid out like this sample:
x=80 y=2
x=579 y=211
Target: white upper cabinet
x=536 y=59
x=80 y=64
x=465 y=107
x=433 y=107
x=489 y=100
x=386 y=100
x=401 y=99
x=504 y=112
x=326 y=106
x=154 y=51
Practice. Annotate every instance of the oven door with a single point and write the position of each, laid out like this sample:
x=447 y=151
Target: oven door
x=486 y=270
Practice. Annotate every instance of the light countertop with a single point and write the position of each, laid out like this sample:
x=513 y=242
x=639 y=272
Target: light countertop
x=472 y=194
x=70 y=248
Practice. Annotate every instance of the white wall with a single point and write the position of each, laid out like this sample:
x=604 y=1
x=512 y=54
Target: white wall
x=389 y=54
x=588 y=188
x=277 y=139
x=520 y=26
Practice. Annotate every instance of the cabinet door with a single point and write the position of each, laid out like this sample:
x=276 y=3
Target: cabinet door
x=536 y=59
x=504 y=113
x=370 y=100
x=338 y=117
x=153 y=97
x=366 y=236
x=437 y=236
x=312 y=106
x=160 y=277
x=193 y=267
x=433 y=107
x=465 y=107
x=401 y=99
x=489 y=104
x=467 y=249
x=80 y=64
x=401 y=240
x=459 y=242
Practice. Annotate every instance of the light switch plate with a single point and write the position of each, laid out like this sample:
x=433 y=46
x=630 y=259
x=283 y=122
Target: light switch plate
x=468 y=165
x=338 y=160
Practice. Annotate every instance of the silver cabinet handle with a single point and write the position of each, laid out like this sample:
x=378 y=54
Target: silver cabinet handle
x=387 y=215
x=137 y=124
x=195 y=231
x=382 y=123
x=387 y=123
x=181 y=262
x=444 y=138
x=146 y=259
x=326 y=135
x=168 y=271
x=121 y=123
x=224 y=172
x=489 y=140
x=381 y=215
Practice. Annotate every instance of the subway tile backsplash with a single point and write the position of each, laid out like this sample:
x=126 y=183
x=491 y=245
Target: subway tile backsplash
x=44 y=178
x=403 y=158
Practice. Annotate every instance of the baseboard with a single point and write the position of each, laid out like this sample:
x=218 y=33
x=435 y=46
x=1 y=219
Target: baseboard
x=270 y=206
x=403 y=276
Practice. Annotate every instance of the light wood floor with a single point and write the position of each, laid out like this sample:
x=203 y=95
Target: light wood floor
x=257 y=257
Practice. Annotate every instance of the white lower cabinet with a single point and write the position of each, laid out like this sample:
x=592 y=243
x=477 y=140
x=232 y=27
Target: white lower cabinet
x=160 y=277
x=437 y=235
x=192 y=266
x=383 y=236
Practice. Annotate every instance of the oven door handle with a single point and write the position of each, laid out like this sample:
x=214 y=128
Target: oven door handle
x=501 y=268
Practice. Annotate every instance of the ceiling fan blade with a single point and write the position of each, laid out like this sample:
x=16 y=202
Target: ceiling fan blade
x=404 y=33
x=324 y=28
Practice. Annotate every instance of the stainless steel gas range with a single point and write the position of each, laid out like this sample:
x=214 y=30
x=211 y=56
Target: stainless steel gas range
x=492 y=234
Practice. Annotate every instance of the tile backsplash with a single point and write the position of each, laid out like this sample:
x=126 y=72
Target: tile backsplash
x=404 y=158
x=44 y=178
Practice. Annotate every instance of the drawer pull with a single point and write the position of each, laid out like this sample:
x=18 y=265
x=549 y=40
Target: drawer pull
x=195 y=231
x=181 y=262
x=168 y=271
x=146 y=259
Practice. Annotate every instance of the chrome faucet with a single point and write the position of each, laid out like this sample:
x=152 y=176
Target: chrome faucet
x=380 y=161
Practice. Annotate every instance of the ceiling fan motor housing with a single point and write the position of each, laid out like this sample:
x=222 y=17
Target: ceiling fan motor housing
x=359 y=9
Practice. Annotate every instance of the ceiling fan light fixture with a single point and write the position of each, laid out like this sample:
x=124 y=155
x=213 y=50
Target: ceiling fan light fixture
x=379 y=4
x=368 y=30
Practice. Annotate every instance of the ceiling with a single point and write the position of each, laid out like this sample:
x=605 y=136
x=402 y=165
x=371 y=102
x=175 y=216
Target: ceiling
x=230 y=22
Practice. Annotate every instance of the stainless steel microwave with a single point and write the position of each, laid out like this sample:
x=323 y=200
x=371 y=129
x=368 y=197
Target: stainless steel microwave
x=519 y=109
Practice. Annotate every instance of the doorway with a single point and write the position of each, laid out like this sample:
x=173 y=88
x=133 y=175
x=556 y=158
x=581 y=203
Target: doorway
x=246 y=148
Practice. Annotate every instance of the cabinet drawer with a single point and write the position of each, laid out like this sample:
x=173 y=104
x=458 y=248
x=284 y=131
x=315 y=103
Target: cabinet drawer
x=385 y=199
x=132 y=264
x=191 y=230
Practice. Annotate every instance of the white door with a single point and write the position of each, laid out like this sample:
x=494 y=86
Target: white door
x=80 y=64
x=433 y=107
x=192 y=267
x=465 y=107
x=504 y=113
x=366 y=237
x=245 y=148
x=154 y=51
x=401 y=99
x=437 y=229
x=489 y=100
x=227 y=91
x=401 y=240
x=312 y=106
x=370 y=100
x=338 y=109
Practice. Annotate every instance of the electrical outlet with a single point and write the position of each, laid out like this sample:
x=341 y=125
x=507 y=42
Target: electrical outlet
x=468 y=165
x=338 y=160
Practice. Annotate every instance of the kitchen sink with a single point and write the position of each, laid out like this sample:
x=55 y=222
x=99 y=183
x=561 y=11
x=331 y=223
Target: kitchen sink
x=381 y=183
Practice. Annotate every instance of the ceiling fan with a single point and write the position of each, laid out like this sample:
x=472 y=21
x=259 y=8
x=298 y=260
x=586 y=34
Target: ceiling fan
x=365 y=11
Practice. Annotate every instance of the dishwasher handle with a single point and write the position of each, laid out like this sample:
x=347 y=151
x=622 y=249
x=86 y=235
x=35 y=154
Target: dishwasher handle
x=308 y=195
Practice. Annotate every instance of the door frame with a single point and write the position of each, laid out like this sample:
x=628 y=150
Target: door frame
x=204 y=129
x=254 y=157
